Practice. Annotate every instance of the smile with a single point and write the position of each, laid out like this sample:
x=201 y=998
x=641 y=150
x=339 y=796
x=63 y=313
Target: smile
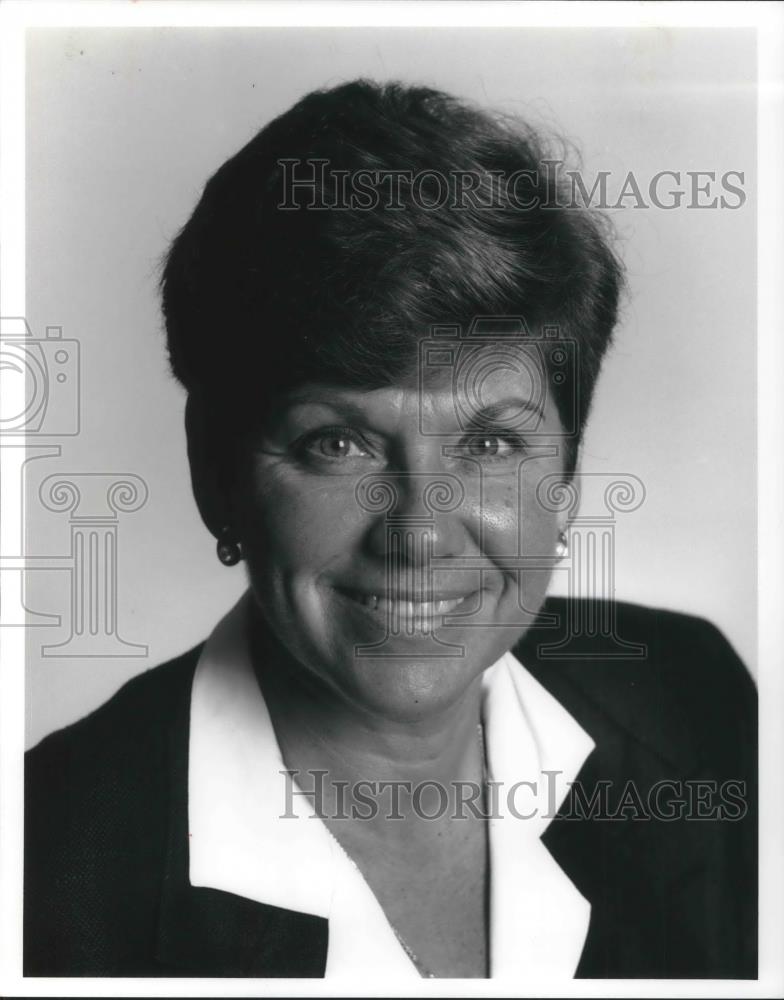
x=412 y=609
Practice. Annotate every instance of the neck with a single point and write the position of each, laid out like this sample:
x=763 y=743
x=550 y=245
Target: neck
x=319 y=728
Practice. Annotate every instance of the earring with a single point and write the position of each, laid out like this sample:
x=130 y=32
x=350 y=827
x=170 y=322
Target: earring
x=228 y=550
x=562 y=547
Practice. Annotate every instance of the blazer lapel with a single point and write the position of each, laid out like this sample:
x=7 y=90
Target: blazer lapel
x=631 y=867
x=627 y=870
x=208 y=932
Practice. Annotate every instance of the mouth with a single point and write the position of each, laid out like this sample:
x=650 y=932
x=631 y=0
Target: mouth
x=409 y=607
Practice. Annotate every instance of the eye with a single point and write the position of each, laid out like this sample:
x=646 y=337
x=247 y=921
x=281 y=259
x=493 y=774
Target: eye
x=488 y=445
x=333 y=444
x=339 y=446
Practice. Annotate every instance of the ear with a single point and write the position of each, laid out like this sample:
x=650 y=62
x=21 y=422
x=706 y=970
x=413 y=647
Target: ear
x=574 y=485
x=209 y=466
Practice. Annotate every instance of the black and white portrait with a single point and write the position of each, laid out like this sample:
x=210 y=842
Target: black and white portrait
x=382 y=461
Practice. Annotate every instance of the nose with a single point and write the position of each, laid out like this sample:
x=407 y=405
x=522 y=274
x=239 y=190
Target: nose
x=417 y=516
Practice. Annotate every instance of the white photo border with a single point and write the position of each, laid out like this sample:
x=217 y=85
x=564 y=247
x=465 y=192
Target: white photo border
x=768 y=18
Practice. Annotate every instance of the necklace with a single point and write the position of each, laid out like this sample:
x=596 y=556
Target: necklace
x=422 y=969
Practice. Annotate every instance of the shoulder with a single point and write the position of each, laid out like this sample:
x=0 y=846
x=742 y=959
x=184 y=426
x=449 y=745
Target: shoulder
x=672 y=712
x=97 y=801
x=672 y=677
x=593 y=641
x=120 y=743
x=134 y=720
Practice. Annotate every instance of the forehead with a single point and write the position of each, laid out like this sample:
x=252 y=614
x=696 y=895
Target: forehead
x=506 y=383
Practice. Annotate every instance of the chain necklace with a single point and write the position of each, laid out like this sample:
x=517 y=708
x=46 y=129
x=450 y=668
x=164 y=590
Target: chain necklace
x=422 y=969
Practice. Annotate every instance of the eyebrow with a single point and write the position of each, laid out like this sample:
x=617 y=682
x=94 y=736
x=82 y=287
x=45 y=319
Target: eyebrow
x=316 y=397
x=489 y=414
x=495 y=410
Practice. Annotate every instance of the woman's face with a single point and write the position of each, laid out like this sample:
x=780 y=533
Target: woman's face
x=394 y=538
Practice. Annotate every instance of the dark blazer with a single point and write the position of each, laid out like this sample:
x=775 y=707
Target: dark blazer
x=106 y=856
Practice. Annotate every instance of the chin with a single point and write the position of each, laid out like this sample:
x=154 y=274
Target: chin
x=406 y=687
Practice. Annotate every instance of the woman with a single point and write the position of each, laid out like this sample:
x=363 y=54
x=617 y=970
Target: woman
x=394 y=756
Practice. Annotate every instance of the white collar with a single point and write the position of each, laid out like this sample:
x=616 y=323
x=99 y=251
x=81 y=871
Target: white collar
x=240 y=844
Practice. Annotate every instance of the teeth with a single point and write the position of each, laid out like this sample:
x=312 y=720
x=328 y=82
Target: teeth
x=411 y=609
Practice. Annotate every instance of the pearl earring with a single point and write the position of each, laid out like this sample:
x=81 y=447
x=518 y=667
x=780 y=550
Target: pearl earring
x=228 y=550
x=562 y=546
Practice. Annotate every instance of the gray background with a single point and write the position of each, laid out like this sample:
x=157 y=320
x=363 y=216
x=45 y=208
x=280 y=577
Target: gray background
x=125 y=125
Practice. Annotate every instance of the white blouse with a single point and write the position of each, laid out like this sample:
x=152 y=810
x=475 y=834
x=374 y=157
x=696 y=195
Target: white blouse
x=241 y=843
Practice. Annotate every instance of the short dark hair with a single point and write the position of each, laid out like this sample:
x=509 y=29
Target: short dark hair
x=258 y=297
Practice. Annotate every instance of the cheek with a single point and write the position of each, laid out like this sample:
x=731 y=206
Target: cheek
x=292 y=526
x=513 y=518
x=516 y=523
